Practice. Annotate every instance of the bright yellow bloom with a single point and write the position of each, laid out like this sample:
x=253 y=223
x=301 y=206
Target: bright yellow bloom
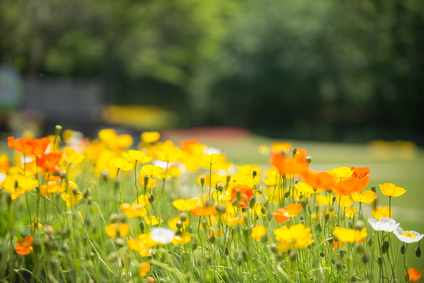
x=349 y=235
x=17 y=185
x=182 y=240
x=391 y=190
x=257 y=232
x=71 y=197
x=325 y=200
x=174 y=171
x=345 y=201
x=341 y=173
x=168 y=155
x=73 y=156
x=382 y=212
x=234 y=220
x=144 y=268
x=153 y=171
x=305 y=189
x=51 y=188
x=172 y=223
x=350 y=212
x=186 y=205
x=150 y=137
x=121 y=163
x=152 y=220
x=364 y=197
x=111 y=140
x=297 y=236
x=211 y=158
x=136 y=155
x=247 y=171
x=120 y=230
x=131 y=211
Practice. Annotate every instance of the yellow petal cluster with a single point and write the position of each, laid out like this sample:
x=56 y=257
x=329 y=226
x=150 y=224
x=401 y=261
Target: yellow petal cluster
x=390 y=190
x=349 y=235
x=297 y=236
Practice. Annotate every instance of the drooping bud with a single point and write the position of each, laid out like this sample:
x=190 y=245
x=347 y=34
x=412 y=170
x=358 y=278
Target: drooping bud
x=308 y=159
x=179 y=225
x=142 y=227
x=146 y=180
x=359 y=225
x=254 y=174
x=418 y=252
x=209 y=202
x=403 y=249
x=252 y=202
x=287 y=194
x=202 y=181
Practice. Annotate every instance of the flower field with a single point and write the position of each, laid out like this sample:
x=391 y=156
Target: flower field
x=115 y=209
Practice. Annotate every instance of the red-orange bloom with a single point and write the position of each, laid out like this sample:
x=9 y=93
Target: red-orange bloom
x=351 y=185
x=282 y=214
x=203 y=211
x=360 y=172
x=246 y=193
x=29 y=146
x=337 y=244
x=414 y=275
x=49 y=161
x=24 y=247
x=320 y=180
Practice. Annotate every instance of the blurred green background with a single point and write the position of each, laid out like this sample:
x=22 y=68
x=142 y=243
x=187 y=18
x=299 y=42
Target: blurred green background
x=321 y=70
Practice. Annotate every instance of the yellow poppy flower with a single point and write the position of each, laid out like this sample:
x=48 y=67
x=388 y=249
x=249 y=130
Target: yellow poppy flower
x=113 y=230
x=73 y=156
x=152 y=220
x=382 y=212
x=72 y=198
x=349 y=235
x=136 y=155
x=210 y=158
x=150 y=137
x=257 y=232
x=350 y=212
x=182 y=240
x=341 y=173
x=390 y=190
x=364 y=197
x=325 y=200
x=345 y=201
x=121 y=163
x=184 y=205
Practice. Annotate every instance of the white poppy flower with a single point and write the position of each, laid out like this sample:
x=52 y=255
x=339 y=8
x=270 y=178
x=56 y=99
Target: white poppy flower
x=384 y=224
x=407 y=236
x=162 y=235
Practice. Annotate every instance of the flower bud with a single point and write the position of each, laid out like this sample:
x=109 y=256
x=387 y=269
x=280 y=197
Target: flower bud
x=370 y=242
x=194 y=244
x=178 y=233
x=252 y=202
x=210 y=202
x=321 y=254
x=403 y=249
x=287 y=194
x=308 y=159
x=202 y=181
x=58 y=130
x=264 y=238
x=183 y=216
x=294 y=150
x=219 y=187
x=254 y=173
x=227 y=251
x=342 y=253
x=274 y=248
x=74 y=190
x=418 y=252
x=151 y=198
x=87 y=193
x=339 y=265
x=220 y=209
x=380 y=260
x=263 y=210
x=89 y=200
x=146 y=180
x=142 y=227
x=359 y=225
x=373 y=189
x=228 y=178
x=113 y=218
x=385 y=246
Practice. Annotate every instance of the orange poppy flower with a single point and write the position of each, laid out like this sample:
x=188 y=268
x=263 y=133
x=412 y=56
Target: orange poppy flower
x=49 y=161
x=282 y=214
x=320 y=180
x=351 y=185
x=246 y=193
x=360 y=172
x=289 y=167
x=24 y=247
x=203 y=211
x=29 y=146
x=414 y=275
